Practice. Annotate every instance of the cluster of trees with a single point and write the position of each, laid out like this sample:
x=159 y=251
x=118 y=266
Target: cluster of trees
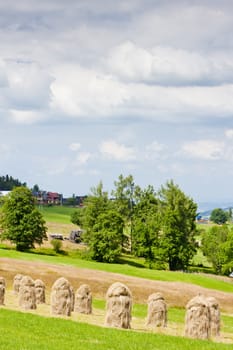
x=157 y=226
x=7 y=183
x=217 y=246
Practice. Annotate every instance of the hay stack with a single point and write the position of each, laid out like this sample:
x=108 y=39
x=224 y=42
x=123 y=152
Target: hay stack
x=157 y=311
x=119 y=306
x=27 y=295
x=72 y=298
x=40 y=291
x=2 y=290
x=197 y=320
x=61 y=297
x=215 y=317
x=16 y=283
x=83 y=300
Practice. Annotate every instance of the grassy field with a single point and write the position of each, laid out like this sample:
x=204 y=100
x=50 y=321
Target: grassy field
x=25 y=331
x=206 y=281
x=36 y=330
x=57 y=214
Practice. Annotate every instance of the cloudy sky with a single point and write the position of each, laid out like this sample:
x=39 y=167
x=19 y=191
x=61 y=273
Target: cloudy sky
x=91 y=89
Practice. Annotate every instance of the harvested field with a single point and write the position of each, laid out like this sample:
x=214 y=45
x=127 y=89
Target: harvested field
x=176 y=294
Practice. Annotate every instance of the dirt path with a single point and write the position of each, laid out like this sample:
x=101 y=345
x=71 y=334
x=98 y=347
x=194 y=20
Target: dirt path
x=175 y=293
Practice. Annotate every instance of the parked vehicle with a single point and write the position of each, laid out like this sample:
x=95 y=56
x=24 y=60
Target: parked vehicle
x=56 y=236
x=76 y=236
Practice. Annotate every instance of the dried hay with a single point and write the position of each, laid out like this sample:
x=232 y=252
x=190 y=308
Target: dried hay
x=83 y=300
x=197 y=319
x=72 y=298
x=2 y=290
x=157 y=311
x=27 y=295
x=119 y=306
x=61 y=297
x=215 y=317
x=16 y=283
x=40 y=291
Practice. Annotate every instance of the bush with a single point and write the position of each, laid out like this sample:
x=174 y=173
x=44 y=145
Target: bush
x=57 y=245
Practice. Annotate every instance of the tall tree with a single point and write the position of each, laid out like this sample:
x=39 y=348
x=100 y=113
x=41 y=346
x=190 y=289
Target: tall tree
x=7 y=183
x=106 y=240
x=103 y=226
x=95 y=204
x=217 y=244
x=177 y=215
x=146 y=225
x=219 y=216
x=124 y=200
x=21 y=222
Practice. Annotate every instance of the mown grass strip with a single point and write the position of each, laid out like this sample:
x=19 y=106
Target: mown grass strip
x=25 y=331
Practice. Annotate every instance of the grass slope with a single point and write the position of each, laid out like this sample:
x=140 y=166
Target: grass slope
x=25 y=331
x=57 y=214
x=202 y=280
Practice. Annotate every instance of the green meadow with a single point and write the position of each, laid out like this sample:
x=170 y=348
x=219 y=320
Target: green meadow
x=57 y=214
x=26 y=331
x=206 y=281
x=32 y=330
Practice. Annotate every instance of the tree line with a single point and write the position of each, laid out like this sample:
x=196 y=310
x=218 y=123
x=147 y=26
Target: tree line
x=159 y=226
x=7 y=183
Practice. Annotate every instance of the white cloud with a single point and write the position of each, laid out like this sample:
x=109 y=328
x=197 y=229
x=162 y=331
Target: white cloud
x=204 y=149
x=78 y=92
x=28 y=86
x=75 y=146
x=82 y=158
x=3 y=75
x=26 y=116
x=81 y=92
x=113 y=150
x=169 y=66
x=194 y=25
x=229 y=133
x=155 y=150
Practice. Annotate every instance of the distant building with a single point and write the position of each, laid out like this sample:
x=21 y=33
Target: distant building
x=48 y=198
x=54 y=198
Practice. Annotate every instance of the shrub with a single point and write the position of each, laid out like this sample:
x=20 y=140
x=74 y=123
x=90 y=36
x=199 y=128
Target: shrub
x=57 y=245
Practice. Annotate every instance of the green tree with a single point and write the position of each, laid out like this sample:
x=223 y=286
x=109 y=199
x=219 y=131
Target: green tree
x=146 y=226
x=102 y=224
x=35 y=189
x=215 y=246
x=218 y=216
x=124 y=201
x=177 y=226
x=230 y=214
x=21 y=222
x=94 y=205
x=106 y=240
x=7 y=183
x=76 y=217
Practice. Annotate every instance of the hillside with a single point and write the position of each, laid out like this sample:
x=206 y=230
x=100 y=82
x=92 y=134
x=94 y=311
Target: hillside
x=176 y=293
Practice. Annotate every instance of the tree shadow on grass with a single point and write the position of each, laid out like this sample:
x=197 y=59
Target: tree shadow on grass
x=125 y=261
x=49 y=252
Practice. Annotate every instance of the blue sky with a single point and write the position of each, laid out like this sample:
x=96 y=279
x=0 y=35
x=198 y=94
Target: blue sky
x=90 y=90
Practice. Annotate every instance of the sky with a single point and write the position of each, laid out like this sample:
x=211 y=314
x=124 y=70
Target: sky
x=91 y=89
